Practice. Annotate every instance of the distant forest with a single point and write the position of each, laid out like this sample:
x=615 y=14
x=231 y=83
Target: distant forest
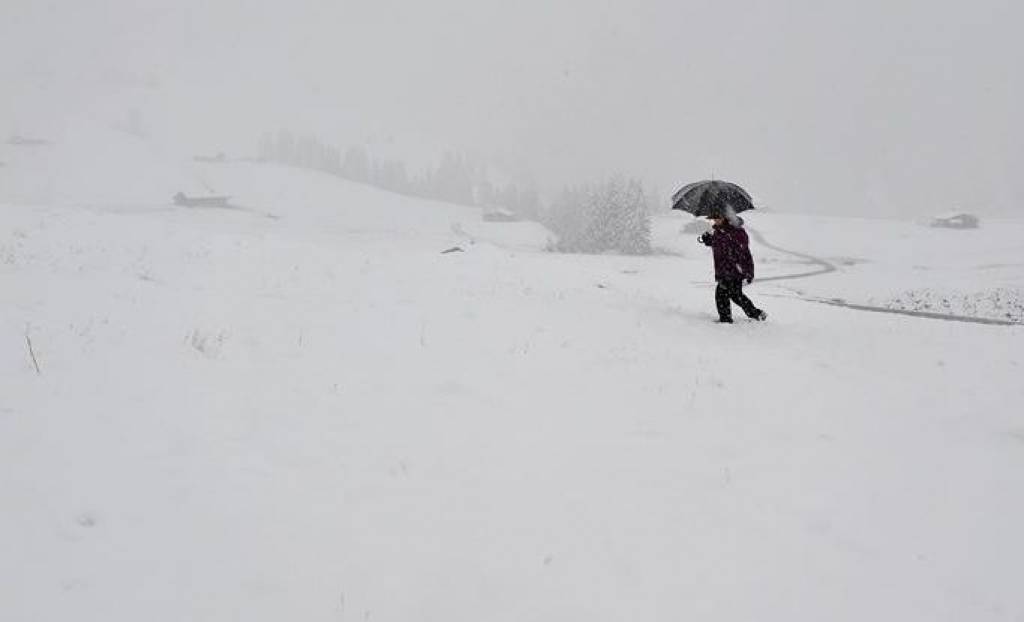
x=610 y=216
x=457 y=178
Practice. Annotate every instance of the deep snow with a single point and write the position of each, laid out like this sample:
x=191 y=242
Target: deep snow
x=302 y=410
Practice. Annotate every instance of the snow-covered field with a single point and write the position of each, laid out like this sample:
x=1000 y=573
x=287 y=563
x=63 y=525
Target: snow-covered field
x=904 y=264
x=300 y=409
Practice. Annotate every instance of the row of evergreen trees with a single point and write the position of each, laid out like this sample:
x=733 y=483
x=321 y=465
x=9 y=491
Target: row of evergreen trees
x=457 y=178
x=613 y=216
x=302 y=151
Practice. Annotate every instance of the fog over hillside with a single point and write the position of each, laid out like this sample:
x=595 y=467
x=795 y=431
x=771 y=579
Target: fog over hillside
x=869 y=108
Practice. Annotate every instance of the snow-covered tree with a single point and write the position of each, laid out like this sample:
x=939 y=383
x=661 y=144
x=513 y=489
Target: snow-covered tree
x=356 y=165
x=636 y=222
x=453 y=180
x=391 y=175
x=607 y=217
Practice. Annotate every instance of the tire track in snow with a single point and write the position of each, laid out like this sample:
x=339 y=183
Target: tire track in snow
x=839 y=302
x=826 y=267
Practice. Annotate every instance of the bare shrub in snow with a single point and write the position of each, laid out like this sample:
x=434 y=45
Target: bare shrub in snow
x=208 y=344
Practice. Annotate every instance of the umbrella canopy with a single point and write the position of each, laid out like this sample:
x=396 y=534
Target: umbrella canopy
x=710 y=198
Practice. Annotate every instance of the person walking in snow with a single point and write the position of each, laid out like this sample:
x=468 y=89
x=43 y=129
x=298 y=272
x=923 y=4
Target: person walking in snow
x=733 y=265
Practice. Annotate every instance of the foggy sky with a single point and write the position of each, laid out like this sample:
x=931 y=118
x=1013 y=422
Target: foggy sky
x=905 y=106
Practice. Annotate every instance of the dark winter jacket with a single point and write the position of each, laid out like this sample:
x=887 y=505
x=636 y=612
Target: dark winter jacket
x=731 y=248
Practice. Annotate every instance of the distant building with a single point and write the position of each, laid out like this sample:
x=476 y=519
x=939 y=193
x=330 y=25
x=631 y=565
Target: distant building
x=219 y=157
x=200 y=201
x=956 y=220
x=500 y=215
x=22 y=141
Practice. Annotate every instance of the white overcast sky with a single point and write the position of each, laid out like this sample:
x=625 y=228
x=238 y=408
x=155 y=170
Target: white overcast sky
x=907 y=106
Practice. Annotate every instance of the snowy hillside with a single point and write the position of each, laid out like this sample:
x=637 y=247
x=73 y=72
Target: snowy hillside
x=84 y=163
x=299 y=408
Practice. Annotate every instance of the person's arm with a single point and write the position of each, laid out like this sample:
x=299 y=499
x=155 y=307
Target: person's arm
x=747 y=263
x=744 y=260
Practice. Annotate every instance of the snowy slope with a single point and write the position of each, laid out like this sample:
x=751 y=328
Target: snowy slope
x=299 y=409
x=85 y=162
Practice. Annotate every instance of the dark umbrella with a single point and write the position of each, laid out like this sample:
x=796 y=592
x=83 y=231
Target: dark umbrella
x=710 y=198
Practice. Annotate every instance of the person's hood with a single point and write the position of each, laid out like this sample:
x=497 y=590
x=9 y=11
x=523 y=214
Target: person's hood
x=735 y=222
x=732 y=217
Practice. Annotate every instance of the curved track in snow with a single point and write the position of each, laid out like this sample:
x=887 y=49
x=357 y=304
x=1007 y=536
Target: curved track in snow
x=825 y=267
